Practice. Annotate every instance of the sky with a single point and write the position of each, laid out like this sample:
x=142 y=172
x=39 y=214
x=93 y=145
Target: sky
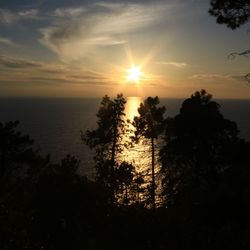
x=80 y=48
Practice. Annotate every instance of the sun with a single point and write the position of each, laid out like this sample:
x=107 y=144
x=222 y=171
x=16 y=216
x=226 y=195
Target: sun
x=134 y=73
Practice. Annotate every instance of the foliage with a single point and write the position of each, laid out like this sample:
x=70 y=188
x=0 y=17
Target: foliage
x=52 y=211
x=69 y=166
x=53 y=207
x=124 y=175
x=106 y=139
x=196 y=145
x=129 y=185
x=233 y=13
x=149 y=124
x=15 y=150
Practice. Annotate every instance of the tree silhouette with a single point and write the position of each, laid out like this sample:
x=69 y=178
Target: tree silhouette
x=149 y=124
x=15 y=149
x=106 y=139
x=196 y=147
x=124 y=175
x=53 y=207
x=233 y=13
x=69 y=166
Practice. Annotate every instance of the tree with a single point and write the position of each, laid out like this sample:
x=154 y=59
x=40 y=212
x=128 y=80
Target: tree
x=197 y=142
x=149 y=124
x=15 y=148
x=106 y=139
x=69 y=166
x=124 y=179
x=233 y=13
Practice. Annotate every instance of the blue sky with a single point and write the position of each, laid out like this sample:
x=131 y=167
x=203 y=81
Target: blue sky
x=84 y=48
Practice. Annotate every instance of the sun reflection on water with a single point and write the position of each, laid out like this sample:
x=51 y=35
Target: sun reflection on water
x=138 y=154
x=132 y=106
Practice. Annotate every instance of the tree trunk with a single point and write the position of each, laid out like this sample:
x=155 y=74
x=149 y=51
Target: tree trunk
x=126 y=195
x=153 y=173
x=112 y=170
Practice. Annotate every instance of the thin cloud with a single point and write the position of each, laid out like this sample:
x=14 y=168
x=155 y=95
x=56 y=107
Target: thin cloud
x=69 y=12
x=243 y=78
x=211 y=77
x=14 y=63
x=28 y=14
x=174 y=64
x=7 y=41
x=97 y=25
x=10 y=17
x=18 y=70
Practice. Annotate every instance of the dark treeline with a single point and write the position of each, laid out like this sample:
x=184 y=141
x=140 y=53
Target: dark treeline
x=201 y=202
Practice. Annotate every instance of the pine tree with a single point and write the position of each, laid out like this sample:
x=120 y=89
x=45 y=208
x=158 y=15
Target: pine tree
x=197 y=145
x=106 y=139
x=149 y=124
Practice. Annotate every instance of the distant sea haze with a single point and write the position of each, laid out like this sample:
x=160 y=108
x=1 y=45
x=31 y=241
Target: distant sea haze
x=55 y=123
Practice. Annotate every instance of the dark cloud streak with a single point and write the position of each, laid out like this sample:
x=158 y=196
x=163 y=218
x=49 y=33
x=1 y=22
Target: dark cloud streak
x=11 y=63
x=23 y=72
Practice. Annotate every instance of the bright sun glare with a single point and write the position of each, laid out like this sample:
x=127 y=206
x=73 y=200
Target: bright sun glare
x=134 y=73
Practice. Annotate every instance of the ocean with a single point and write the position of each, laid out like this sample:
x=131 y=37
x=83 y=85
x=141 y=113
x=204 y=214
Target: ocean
x=55 y=123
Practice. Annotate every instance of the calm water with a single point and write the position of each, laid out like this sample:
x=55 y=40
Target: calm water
x=55 y=124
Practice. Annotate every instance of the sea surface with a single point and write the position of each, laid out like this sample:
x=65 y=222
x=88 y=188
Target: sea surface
x=55 y=123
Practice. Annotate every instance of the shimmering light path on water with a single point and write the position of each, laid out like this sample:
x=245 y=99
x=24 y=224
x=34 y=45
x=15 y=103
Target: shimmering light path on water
x=55 y=123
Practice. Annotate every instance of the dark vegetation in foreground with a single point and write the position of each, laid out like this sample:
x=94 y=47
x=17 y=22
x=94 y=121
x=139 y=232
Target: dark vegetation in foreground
x=205 y=188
